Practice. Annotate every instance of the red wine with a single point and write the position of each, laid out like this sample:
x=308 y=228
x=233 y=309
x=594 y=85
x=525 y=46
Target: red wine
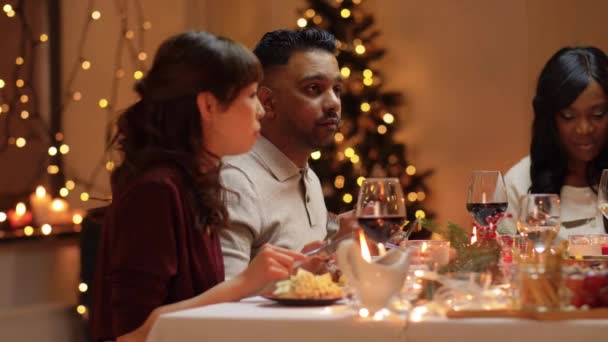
x=481 y=211
x=381 y=228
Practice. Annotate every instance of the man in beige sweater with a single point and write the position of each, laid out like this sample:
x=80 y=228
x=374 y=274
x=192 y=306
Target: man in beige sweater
x=272 y=195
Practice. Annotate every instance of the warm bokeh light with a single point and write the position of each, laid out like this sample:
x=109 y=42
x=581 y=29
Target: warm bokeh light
x=339 y=182
x=388 y=118
x=347 y=198
x=103 y=103
x=20 y=142
x=77 y=219
x=52 y=169
x=58 y=204
x=84 y=196
x=110 y=165
x=64 y=192
x=70 y=184
x=20 y=208
x=412 y=197
x=421 y=196
x=339 y=137
x=46 y=229
x=365 y=107
x=64 y=149
x=40 y=191
x=349 y=152
x=345 y=72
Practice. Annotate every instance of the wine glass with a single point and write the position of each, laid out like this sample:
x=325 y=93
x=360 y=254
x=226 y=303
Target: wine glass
x=539 y=219
x=380 y=208
x=602 y=194
x=487 y=197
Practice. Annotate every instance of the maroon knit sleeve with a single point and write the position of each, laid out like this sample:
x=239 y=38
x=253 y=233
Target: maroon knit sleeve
x=144 y=257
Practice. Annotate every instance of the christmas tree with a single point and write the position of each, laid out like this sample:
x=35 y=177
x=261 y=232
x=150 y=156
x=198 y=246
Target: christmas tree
x=364 y=147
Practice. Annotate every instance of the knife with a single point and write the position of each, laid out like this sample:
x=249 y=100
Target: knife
x=577 y=223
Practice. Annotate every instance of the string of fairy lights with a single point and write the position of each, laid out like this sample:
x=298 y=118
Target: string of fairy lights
x=358 y=77
x=18 y=100
x=131 y=42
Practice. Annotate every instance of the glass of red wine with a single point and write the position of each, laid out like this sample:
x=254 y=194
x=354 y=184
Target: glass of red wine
x=487 y=197
x=380 y=208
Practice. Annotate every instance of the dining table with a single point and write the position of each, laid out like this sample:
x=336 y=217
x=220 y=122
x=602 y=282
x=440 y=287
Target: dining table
x=260 y=319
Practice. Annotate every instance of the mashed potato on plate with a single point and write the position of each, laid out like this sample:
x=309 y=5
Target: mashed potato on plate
x=305 y=285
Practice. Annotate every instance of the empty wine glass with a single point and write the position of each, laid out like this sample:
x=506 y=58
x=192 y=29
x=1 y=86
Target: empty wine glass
x=539 y=219
x=380 y=208
x=487 y=197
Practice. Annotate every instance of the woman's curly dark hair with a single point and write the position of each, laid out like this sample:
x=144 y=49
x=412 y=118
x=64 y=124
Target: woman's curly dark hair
x=565 y=76
x=165 y=126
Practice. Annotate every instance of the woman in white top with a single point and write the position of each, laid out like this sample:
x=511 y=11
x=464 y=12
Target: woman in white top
x=569 y=135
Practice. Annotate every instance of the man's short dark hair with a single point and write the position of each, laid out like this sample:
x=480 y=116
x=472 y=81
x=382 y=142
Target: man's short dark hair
x=276 y=47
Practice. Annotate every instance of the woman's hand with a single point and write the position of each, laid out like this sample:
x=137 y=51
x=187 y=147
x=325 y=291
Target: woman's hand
x=270 y=265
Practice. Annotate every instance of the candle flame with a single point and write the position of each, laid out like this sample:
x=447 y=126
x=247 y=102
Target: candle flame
x=364 y=249
x=58 y=205
x=381 y=249
x=474 y=237
x=77 y=219
x=20 y=209
x=40 y=191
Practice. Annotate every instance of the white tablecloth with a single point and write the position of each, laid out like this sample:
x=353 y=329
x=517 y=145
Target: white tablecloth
x=258 y=319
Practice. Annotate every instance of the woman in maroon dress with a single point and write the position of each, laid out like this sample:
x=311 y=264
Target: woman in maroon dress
x=159 y=248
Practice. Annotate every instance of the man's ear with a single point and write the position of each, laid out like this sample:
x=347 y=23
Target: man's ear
x=208 y=105
x=267 y=100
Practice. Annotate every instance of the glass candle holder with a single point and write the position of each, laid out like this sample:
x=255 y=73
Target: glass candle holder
x=430 y=252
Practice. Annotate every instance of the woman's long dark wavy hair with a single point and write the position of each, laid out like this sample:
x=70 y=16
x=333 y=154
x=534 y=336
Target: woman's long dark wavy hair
x=165 y=126
x=565 y=76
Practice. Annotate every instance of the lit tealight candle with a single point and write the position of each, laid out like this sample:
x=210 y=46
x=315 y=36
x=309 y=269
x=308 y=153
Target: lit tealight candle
x=59 y=212
x=40 y=202
x=19 y=216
